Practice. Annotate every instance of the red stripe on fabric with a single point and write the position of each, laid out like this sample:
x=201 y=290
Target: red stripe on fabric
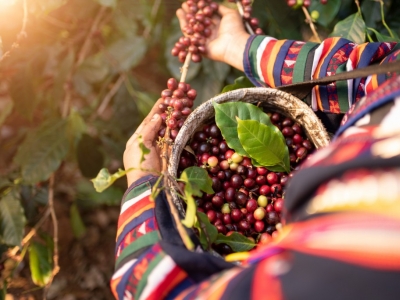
x=170 y=282
x=138 y=205
x=265 y=59
x=264 y=285
x=133 y=216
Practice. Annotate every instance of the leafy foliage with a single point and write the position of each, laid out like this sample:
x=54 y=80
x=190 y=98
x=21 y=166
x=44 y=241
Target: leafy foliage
x=264 y=144
x=40 y=263
x=12 y=220
x=226 y=115
x=77 y=87
x=352 y=28
x=238 y=242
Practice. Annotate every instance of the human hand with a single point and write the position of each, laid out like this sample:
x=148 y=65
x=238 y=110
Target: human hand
x=148 y=129
x=227 y=42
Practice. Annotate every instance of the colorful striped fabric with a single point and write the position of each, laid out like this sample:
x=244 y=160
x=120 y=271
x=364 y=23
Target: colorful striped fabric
x=270 y=62
x=142 y=269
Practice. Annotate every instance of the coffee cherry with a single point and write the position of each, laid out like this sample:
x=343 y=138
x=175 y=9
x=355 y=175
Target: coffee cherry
x=262 y=201
x=259 y=213
x=212 y=161
x=265 y=190
x=272 y=178
x=251 y=205
x=236 y=214
x=259 y=226
x=236 y=158
x=278 y=205
x=236 y=181
x=225 y=208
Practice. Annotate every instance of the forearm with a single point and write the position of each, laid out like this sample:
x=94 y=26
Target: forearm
x=151 y=260
x=271 y=62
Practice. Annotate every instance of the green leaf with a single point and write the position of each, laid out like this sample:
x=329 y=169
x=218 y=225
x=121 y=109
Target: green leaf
x=191 y=208
x=240 y=83
x=371 y=12
x=236 y=241
x=143 y=149
x=78 y=227
x=88 y=197
x=263 y=144
x=107 y=3
x=225 y=117
x=40 y=263
x=23 y=92
x=76 y=127
x=42 y=151
x=126 y=53
x=327 y=12
x=104 y=179
x=89 y=156
x=352 y=28
x=93 y=69
x=381 y=37
x=198 y=179
x=208 y=232
x=6 y=111
x=12 y=220
x=64 y=67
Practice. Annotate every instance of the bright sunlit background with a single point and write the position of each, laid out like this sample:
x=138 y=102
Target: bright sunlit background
x=6 y=2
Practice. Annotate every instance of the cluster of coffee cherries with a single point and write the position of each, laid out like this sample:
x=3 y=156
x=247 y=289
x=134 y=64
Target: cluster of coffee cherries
x=177 y=103
x=305 y=3
x=197 y=30
x=247 y=199
x=247 y=9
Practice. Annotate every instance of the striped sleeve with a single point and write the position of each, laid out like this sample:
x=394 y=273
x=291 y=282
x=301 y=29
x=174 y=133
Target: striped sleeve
x=142 y=269
x=270 y=62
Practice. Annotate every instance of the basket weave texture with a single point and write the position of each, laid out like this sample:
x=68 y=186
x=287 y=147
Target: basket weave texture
x=270 y=99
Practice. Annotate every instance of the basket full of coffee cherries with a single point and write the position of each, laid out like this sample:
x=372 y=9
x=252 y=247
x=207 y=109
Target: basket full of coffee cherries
x=244 y=144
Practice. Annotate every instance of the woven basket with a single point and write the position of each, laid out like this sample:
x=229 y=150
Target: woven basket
x=270 y=99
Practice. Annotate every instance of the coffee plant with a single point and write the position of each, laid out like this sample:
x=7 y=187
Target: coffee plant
x=76 y=80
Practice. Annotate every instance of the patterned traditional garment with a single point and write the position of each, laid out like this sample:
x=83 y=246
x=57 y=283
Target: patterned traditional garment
x=270 y=62
x=342 y=209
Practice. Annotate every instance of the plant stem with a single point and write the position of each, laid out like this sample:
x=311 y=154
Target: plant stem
x=153 y=14
x=310 y=22
x=241 y=12
x=56 y=267
x=31 y=233
x=110 y=94
x=383 y=20
x=88 y=40
x=185 y=67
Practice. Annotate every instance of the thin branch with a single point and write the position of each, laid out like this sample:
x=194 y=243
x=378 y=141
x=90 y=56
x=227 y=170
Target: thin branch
x=111 y=94
x=31 y=233
x=153 y=14
x=383 y=20
x=310 y=22
x=88 y=40
x=241 y=12
x=81 y=57
x=56 y=267
x=185 y=67
x=21 y=35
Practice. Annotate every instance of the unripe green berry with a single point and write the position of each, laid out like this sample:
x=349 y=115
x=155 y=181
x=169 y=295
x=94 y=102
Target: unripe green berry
x=236 y=158
x=314 y=15
x=262 y=201
x=226 y=209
